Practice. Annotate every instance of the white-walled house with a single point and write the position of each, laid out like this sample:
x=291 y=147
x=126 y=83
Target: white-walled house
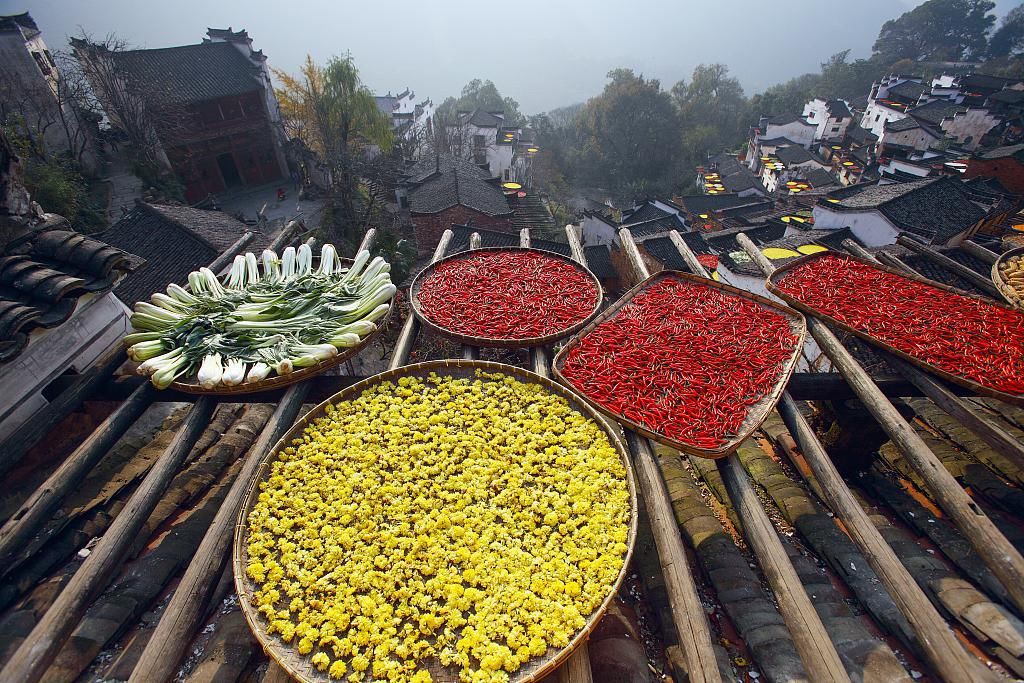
x=408 y=117
x=783 y=129
x=596 y=228
x=485 y=137
x=909 y=133
x=832 y=118
x=966 y=125
x=890 y=99
x=935 y=209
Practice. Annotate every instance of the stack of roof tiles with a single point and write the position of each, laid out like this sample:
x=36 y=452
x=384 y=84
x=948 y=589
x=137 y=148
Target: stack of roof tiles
x=43 y=275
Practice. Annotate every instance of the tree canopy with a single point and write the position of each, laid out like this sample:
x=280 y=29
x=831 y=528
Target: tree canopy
x=1008 y=39
x=480 y=94
x=629 y=134
x=937 y=30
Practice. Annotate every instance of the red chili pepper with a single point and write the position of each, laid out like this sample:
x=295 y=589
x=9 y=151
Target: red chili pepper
x=961 y=335
x=507 y=295
x=684 y=360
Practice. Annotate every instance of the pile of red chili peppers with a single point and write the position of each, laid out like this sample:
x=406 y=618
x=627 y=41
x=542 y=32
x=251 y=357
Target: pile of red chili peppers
x=958 y=334
x=507 y=295
x=684 y=360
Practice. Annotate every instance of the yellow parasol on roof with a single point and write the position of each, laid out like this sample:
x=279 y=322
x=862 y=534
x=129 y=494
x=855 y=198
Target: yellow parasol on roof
x=811 y=249
x=775 y=253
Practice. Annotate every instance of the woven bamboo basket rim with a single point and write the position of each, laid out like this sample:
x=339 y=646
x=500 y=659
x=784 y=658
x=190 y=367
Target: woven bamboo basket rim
x=980 y=389
x=491 y=342
x=1002 y=285
x=278 y=381
x=299 y=667
x=756 y=414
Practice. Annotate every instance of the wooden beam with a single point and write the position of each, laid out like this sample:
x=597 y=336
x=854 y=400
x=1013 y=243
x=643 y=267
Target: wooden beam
x=36 y=510
x=989 y=432
x=173 y=634
x=37 y=651
x=979 y=252
x=524 y=237
x=575 y=246
x=810 y=638
x=287 y=232
x=229 y=254
x=979 y=281
x=994 y=549
x=407 y=337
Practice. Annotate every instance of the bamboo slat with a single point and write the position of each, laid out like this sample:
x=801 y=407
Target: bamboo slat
x=994 y=549
x=979 y=252
x=35 y=654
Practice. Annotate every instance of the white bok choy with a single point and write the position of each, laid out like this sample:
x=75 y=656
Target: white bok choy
x=271 y=314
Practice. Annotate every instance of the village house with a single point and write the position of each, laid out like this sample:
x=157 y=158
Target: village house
x=215 y=113
x=30 y=89
x=790 y=164
x=58 y=313
x=890 y=99
x=832 y=117
x=446 y=190
x=725 y=173
x=937 y=210
x=409 y=118
x=774 y=131
x=488 y=139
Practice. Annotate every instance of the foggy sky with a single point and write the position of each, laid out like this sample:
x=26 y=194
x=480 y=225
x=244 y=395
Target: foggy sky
x=545 y=54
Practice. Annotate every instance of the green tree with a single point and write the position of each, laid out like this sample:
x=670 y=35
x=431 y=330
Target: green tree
x=331 y=111
x=479 y=94
x=629 y=135
x=712 y=112
x=1009 y=37
x=937 y=30
x=843 y=79
x=788 y=97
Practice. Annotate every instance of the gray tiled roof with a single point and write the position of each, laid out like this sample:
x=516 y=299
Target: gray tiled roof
x=908 y=90
x=497 y=238
x=190 y=73
x=907 y=123
x=43 y=275
x=861 y=135
x=599 y=261
x=819 y=177
x=174 y=240
x=935 y=112
x=446 y=181
x=796 y=155
x=482 y=119
x=934 y=208
x=646 y=212
x=710 y=203
x=838 y=109
x=1003 y=152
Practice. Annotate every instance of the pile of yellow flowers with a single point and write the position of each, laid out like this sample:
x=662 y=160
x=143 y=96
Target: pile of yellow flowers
x=472 y=523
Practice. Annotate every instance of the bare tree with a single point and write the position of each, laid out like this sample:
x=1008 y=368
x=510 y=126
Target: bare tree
x=145 y=115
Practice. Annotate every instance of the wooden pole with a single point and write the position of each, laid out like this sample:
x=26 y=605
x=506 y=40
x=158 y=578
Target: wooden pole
x=979 y=252
x=524 y=237
x=407 y=337
x=37 y=651
x=995 y=551
x=575 y=246
x=470 y=352
x=687 y=610
x=225 y=259
x=36 y=510
x=983 y=283
x=577 y=668
x=160 y=659
x=812 y=641
x=989 y=432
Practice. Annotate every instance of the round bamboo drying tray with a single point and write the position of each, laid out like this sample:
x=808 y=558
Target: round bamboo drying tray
x=525 y=342
x=1007 y=292
x=299 y=667
x=756 y=414
x=276 y=381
